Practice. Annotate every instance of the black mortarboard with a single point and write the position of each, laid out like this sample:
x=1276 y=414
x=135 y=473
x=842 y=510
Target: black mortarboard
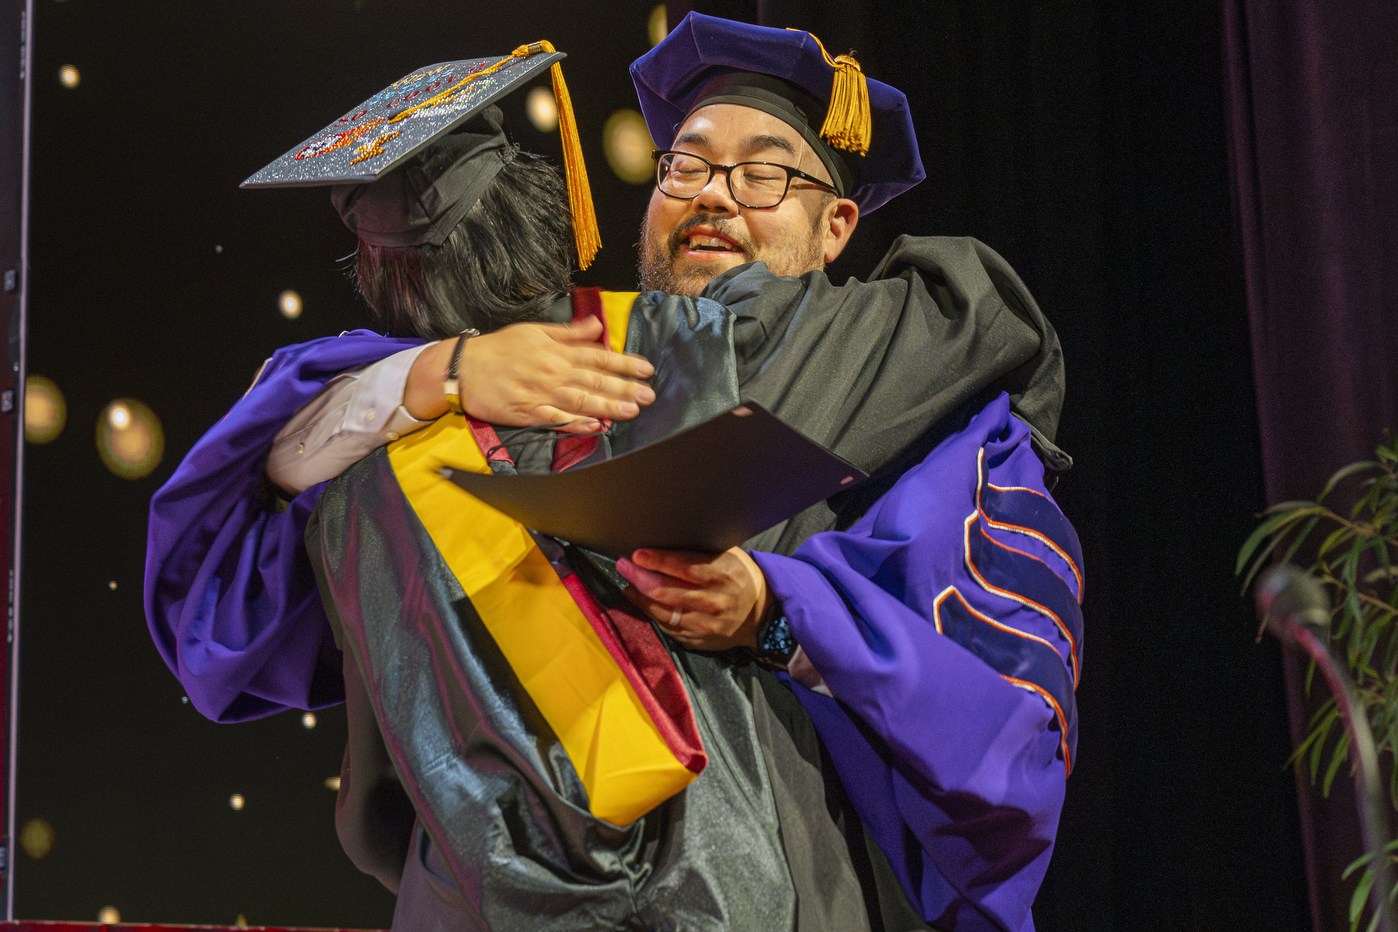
x=861 y=128
x=391 y=158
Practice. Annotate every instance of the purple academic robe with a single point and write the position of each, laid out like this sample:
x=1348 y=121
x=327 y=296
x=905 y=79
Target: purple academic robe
x=230 y=598
x=946 y=623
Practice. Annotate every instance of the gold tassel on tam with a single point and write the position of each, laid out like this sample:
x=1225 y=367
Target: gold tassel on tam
x=848 y=123
x=585 y=232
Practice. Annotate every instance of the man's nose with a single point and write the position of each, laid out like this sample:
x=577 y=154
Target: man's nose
x=716 y=196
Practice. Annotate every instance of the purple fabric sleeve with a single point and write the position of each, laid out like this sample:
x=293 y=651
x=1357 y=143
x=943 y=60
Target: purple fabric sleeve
x=946 y=623
x=230 y=598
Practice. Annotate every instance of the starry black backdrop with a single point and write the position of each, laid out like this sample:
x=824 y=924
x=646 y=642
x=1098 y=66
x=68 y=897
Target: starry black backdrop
x=1083 y=139
x=154 y=277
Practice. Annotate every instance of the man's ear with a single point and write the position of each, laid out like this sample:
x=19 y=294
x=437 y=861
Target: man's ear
x=841 y=218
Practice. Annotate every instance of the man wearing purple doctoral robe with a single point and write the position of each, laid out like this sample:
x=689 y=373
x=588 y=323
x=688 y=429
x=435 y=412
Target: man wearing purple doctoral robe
x=939 y=606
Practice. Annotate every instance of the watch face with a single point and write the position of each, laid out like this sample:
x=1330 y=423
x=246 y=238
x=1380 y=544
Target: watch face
x=775 y=640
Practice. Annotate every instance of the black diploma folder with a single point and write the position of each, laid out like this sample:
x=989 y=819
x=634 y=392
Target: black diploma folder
x=707 y=488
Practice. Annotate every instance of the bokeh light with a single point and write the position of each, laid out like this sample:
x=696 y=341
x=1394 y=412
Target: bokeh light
x=68 y=76
x=628 y=146
x=308 y=720
x=36 y=837
x=109 y=915
x=237 y=802
x=45 y=411
x=542 y=109
x=659 y=25
x=333 y=783
x=130 y=439
x=289 y=303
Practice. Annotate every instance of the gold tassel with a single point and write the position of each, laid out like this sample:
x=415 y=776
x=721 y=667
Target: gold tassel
x=848 y=124
x=585 y=232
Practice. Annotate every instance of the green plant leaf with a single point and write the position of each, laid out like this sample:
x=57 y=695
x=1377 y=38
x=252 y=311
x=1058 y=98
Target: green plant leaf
x=1337 y=758
x=1321 y=724
x=1382 y=573
x=1299 y=538
x=1342 y=473
x=1279 y=516
x=1389 y=849
x=1359 y=898
x=1312 y=736
x=1334 y=537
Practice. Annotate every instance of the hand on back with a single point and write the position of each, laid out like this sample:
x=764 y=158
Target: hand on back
x=526 y=375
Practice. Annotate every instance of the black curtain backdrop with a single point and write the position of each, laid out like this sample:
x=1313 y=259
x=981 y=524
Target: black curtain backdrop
x=1313 y=135
x=1086 y=140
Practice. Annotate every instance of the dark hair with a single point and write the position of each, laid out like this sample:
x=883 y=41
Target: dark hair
x=508 y=259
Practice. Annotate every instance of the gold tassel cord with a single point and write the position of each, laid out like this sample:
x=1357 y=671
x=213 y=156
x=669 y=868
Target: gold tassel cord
x=455 y=90
x=848 y=124
x=848 y=120
x=585 y=230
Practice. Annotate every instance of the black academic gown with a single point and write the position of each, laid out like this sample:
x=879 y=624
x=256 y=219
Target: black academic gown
x=878 y=371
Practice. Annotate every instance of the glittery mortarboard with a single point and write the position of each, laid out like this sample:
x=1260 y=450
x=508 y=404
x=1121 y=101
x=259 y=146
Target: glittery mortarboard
x=393 y=190
x=860 y=128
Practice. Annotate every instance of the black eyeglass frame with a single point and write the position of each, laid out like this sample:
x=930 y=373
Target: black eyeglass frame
x=658 y=154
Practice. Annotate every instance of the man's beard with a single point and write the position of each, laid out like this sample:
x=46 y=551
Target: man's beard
x=657 y=256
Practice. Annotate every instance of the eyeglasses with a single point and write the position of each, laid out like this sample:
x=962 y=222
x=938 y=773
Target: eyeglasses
x=753 y=184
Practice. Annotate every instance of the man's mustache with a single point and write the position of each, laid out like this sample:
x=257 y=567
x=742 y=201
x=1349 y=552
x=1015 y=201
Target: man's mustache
x=718 y=225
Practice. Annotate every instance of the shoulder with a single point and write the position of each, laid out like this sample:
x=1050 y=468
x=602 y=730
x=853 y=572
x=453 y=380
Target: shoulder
x=951 y=257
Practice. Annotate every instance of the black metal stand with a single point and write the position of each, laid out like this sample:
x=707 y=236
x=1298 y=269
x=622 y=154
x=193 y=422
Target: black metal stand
x=16 y=67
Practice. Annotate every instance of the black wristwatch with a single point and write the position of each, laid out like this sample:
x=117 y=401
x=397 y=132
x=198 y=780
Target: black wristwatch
x=451 y=388
x=775 y=644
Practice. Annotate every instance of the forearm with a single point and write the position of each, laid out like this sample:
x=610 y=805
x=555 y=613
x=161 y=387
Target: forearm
x=355 y=414
x=946 y=622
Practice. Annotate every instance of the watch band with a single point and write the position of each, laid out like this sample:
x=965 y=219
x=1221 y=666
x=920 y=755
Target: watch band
x=452 y=387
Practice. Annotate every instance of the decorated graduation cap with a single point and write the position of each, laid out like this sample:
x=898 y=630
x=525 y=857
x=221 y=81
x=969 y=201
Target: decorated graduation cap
x=860 y=128
x=409 y=162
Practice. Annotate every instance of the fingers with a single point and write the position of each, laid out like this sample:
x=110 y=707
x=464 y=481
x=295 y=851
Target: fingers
x=589 y=357
x=662 y=593
x=567 y=423
x=691 y=628
x=582 y=336
x=525 y=375
x=712 y=601
x=658 y=587
x=591 y=381
x=692 y=566
x=588 y=394
x=589 y=328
